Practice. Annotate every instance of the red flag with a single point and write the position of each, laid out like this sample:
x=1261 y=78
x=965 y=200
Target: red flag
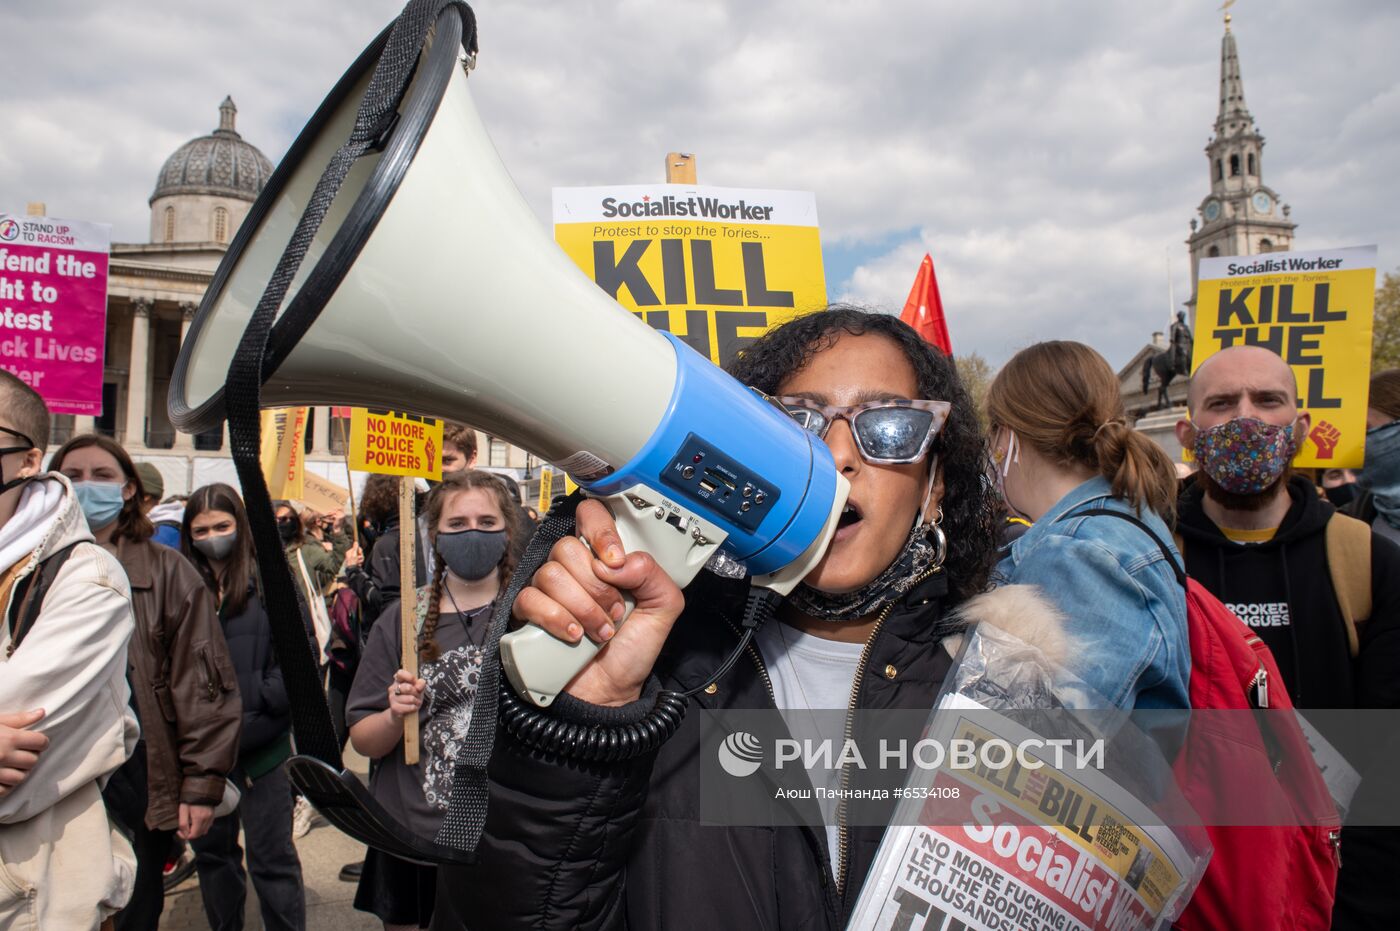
x=924 y=309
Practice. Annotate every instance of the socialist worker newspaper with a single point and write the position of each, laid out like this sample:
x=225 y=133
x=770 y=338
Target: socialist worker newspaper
x=1027 y=847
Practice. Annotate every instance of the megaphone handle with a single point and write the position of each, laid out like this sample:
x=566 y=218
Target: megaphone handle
x=538 y=664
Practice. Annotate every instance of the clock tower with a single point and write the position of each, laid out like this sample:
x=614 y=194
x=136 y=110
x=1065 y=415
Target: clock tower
x=1241 y=215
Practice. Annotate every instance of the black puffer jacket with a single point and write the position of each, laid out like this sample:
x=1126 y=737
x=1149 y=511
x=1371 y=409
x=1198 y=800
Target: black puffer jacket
x=266 y=709
x=621 y=846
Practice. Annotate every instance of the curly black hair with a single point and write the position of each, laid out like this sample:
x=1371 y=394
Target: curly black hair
x=968 y=509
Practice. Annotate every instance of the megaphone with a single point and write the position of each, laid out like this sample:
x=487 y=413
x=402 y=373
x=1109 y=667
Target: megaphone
x=441 y=295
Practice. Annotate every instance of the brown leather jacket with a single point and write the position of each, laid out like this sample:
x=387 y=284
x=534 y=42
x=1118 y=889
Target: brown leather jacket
x=183 y=679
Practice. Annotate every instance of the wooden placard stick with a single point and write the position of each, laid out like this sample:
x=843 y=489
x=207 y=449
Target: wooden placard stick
x=408 y=607
x=354 y=514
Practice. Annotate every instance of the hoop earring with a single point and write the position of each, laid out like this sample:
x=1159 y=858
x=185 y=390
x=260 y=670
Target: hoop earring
x=940 y=541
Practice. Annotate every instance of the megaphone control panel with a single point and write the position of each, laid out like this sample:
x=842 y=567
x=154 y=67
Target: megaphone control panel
x=724 y=469
x=714 y=482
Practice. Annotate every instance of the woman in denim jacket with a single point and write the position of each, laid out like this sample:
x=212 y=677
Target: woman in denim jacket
x=1062 y=449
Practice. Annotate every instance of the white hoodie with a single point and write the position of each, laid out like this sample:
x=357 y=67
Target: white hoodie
x=72 y=663
x=62 y=863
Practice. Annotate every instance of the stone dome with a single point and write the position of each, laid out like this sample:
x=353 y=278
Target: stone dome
x=221 y=163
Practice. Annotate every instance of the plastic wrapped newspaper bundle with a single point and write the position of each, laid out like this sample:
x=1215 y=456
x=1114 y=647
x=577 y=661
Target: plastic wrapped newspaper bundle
x=1067 y=820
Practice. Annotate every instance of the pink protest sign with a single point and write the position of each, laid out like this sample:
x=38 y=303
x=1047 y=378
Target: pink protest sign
x=53 y=308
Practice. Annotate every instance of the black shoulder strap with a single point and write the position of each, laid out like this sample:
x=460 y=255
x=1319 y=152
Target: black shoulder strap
x=29 y=595
x=286 y=605
x=1166 y=550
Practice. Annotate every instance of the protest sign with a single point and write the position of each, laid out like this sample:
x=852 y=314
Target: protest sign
x=1315 y=310
x=322 y=495
x=283 y=448
x=395 y=443
x=1036 y=848
x=53 y=308
x=716 y=266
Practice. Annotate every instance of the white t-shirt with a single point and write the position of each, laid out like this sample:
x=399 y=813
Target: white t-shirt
x=812 y=673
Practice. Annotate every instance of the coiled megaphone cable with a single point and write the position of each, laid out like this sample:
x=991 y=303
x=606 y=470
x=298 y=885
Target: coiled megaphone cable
x=545 y=731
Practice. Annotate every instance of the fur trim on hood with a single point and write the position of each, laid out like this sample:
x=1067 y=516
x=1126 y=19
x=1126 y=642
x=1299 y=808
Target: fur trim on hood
x=1022 y=612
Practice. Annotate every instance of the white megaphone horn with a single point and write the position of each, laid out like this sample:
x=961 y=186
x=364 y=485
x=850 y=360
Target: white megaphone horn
x=441 y=295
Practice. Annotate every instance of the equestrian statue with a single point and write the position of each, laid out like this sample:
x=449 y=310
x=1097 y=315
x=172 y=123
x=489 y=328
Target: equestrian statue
x=1170 y=362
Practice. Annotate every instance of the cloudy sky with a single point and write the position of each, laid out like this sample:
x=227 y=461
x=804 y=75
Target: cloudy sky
x=1048 y=154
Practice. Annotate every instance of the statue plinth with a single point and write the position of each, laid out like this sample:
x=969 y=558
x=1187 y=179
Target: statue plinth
x=1160 y=428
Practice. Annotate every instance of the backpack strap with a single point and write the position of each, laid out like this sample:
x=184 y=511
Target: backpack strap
x=1349 y=564
x=29 y=595
x=1166 y=550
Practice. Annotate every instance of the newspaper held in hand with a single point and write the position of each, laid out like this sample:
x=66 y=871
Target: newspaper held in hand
x=1032 y=844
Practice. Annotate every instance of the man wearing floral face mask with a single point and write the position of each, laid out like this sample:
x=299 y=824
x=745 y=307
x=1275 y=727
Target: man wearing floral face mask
x=1256 y=536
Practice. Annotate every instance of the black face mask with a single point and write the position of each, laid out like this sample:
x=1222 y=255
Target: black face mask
x=5 y=451
x=472 y=554
x=1341 y=495
x=287 y=528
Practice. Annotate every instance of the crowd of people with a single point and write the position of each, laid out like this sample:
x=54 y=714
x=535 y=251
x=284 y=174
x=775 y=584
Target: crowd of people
x=142 y=704
x=151 y=709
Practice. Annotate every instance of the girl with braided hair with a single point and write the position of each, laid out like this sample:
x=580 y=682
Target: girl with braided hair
x=472 y=523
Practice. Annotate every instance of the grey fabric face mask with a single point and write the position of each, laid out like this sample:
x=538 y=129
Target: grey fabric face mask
x=217 y=548
x=472 y=554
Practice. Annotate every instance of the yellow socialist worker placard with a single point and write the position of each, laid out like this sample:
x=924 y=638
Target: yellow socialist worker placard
x=1315 y=310
x=395 y=443
x=715 y=266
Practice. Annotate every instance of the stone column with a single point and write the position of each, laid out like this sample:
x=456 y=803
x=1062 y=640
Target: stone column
x=184 y=442
x=321 y=431
x=136 y=373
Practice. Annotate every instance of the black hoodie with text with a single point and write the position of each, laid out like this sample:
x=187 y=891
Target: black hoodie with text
x=1283 y=590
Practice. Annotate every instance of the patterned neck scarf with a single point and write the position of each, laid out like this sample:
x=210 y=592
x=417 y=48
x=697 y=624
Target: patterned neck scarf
x=912 y=562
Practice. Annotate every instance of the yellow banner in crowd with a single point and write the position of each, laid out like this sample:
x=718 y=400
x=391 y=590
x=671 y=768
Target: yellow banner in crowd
x=394 y=443
x=1315 y=310
x=716 y=266
x=553 y=481
x=283 y=451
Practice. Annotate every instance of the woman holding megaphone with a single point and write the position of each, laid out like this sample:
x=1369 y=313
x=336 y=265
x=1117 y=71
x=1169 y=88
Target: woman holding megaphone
x=621 y=844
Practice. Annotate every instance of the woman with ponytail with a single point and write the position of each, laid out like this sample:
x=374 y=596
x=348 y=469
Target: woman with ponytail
x=1062 y=449
x=472 y=524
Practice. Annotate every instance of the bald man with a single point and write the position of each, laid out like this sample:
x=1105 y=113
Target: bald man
x=1254 y=534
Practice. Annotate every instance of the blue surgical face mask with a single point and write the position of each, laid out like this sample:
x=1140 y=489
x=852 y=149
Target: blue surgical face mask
x=101 y=502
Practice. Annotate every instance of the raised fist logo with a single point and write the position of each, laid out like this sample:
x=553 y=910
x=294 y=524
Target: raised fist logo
x=1325 y=436
x=431 y=450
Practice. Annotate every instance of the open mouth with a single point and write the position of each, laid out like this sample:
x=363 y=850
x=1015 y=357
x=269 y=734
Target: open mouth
x=850 y=516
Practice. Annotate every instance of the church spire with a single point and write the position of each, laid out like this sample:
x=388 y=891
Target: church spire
x=1240 y=215
x=1232 y=106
